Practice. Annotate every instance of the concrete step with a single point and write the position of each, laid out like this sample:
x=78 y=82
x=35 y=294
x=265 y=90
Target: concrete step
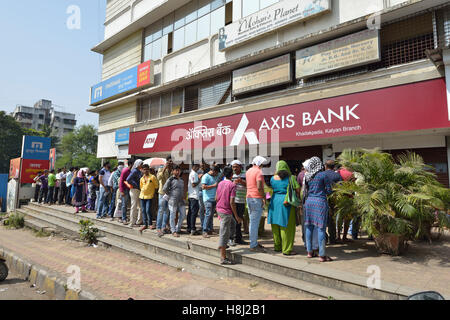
x=39 y=226
x=241 y=271
x=179 y=248
x=193 y=261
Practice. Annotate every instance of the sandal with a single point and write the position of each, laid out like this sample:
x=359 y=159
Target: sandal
x=325 y=259
x=312 y=254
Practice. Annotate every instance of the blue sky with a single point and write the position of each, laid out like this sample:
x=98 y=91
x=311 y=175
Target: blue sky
x=40 y=58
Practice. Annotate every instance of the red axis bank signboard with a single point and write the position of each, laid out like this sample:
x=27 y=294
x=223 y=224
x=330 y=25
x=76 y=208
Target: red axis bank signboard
x=415 y=106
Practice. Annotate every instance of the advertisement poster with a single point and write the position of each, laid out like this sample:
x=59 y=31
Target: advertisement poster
x=52 y=159
x=14 y=168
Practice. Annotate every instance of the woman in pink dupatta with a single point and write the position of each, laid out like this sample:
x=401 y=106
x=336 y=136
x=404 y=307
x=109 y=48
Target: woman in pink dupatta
x=81 y=186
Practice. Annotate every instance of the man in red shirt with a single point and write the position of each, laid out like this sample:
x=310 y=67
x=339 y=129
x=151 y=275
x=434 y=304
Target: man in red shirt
x=124 y=190
x=255 y=200
x=226 y=208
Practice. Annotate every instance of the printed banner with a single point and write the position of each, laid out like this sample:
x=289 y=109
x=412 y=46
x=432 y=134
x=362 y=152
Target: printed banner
x=416 y=106
x=269 y=19
x=30 y=168
x=265 y=74
x=139 y=76
x=343 y=53
x=14 y=168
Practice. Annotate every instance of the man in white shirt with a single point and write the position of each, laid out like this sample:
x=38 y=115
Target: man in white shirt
x=193 y=194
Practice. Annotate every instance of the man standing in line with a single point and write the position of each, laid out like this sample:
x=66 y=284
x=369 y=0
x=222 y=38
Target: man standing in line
x=209 y=187
x=163 y=209
x=62 y=187
x=103 y=178
x=44 y=187
x=113 y=183
x=51 y=187
x=334 y=178
x=57 y=186
x=37 y=184
x=241 y=194
x=174 y=189
x=69 y=177
x=201 y=205
x=226 y=208
x=193 y=191
x=255 y=200
x=133 y=182
x=124 y=190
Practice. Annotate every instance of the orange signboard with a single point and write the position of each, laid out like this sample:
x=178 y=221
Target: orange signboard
x=14 y=168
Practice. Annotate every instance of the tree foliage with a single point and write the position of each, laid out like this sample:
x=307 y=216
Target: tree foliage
x=10 y=140
x=79 y=149
x=401 y=197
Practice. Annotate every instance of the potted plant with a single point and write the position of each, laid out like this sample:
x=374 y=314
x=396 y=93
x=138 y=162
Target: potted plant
x=397 y=201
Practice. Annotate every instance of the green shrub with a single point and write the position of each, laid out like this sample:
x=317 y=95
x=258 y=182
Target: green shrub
x=399 y=196
x=88 y=232
x=14 y=221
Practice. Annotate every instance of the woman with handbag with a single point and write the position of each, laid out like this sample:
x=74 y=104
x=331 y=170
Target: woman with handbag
x=282 y=209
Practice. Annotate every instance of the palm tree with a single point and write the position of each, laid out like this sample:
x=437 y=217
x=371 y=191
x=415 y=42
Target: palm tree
x=402 y=198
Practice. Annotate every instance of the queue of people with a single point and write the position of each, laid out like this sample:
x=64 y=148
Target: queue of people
x=228 y=193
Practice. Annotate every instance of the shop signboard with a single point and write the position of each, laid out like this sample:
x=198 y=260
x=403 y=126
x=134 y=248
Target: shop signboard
x=265 y=74
x=14 y=168
x=122 y=136
x=393 y=109
x=270 y=19
x=136 y=77
x=37 y=148
x=343 y=53
x=30 y=168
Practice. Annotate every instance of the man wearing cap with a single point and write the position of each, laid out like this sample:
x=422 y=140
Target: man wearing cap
x=255 y=200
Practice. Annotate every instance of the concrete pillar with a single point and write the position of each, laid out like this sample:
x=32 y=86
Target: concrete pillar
x=446 y=56
x=448 y=156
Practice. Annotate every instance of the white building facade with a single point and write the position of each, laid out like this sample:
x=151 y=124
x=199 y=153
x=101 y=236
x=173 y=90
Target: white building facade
x=297 y=78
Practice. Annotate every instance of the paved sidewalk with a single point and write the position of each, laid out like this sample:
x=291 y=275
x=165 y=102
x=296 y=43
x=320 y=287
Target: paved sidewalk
x=118 y=275
x=423 y=267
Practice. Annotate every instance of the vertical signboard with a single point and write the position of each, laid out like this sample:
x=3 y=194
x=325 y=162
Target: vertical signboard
x=52 y=159
x=36 y=148
x=14 y=168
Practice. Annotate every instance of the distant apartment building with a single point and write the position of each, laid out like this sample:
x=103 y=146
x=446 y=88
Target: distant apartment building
x=44 y=114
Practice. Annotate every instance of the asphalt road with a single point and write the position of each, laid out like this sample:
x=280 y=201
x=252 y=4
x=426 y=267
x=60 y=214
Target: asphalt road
x=14 y=288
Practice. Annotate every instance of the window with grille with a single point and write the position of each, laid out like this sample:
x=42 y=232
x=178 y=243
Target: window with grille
x=401 y=42
x=208 y=93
